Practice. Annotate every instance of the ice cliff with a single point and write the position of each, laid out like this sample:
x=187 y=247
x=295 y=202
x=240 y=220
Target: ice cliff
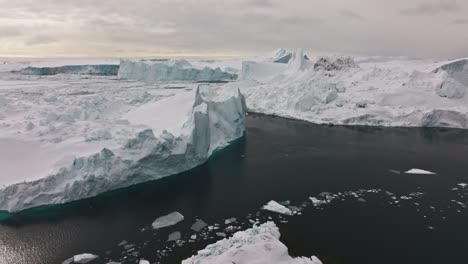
x=259 y=244
x=204 y=120
x=172 y=70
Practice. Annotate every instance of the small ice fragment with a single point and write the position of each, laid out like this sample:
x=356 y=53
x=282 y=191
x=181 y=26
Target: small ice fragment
x=277 y=208
x=395 y=171
x=316 y=260
x=123 y=243
x=419 y=171
x=198 y=226
x=361 y=200
x=463 y=185
x=68 y=261
x=167 y=220
x=113 y=262
x=221 y=234
x=285 y=203
x=317 y=202
x=193 y=237
x=174 y=236
x=143 y=261
x=230 y=221
x=84 y=258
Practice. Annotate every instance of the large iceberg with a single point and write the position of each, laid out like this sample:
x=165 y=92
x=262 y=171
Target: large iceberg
x=171 y=70
x=157 y=138
x=259 y=244
x=361 y=91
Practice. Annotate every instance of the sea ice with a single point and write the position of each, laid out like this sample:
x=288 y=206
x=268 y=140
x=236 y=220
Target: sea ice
x=167 y=220
x=84 y=258
x=418 y=171
x=274 y=206
x=174 y=236
x=259 y=244
x=199 y=225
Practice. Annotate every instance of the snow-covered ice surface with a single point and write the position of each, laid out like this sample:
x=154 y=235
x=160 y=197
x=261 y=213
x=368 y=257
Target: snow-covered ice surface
x=361 y=91
x=68 y=137
x=418 y=171
x=259 y=244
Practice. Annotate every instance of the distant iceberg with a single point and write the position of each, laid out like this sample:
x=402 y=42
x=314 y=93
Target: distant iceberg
x=171 y=70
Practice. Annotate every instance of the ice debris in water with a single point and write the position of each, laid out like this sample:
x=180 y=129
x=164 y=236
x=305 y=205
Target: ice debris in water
x=143 y=261
x=198 y=226
x=274 y=206
x=463 y=185
x=174 y=236
x=167 y=220
x=419 y=171
x=230 y=221
x=259 y=244
x=84 y=258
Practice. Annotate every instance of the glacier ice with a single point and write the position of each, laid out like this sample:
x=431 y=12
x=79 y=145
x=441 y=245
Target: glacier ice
x=274 y=206
x=167 y=220
x=173 y=70
x=259 y=244
x=360 y=91
x=197 y=123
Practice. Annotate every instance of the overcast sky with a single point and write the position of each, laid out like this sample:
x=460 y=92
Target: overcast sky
x=123 y=28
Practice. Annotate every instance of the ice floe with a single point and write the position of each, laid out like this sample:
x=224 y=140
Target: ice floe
x=167 y=220
x=274 y=206
x=419 y=171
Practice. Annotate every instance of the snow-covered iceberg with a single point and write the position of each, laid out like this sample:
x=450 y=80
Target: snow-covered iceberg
x=105 y=70
x=171 y=70
x=154 y=139
x=259 y=244
x=361 y=91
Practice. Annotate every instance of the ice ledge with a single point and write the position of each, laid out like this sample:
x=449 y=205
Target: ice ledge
x=217 y=118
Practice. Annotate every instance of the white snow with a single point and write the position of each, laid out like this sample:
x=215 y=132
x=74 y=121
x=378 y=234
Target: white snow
x=167 y=220
x=259 y=244
x=418 y=171
x=84 y=258
x=84 y=136
x=274 y=206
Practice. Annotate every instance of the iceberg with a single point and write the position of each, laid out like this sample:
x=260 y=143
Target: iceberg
x=105 y=70
x=155 y=139
x=259 y=244
x=277 y=208
x=344 y=90
x=167 y=220
x=172 y=70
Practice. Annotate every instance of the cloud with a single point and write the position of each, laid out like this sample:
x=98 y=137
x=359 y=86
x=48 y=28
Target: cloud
x=432 y=8
x=459 y=21
x=351 y=14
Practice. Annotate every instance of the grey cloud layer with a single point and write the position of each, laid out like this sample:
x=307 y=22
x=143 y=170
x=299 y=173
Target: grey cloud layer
x=429 y=28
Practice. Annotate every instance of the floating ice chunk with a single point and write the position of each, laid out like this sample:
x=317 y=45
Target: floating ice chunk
x=395 y=171
x=174 y=236
x=463 y=185
x=143 y=261
x=167 y=220
x=419 y=171
x=68 y=261
x=198 y=226
x=274 y=206
x=84 y=258
x=317 y=202
x=259 y=244
x=230 y=221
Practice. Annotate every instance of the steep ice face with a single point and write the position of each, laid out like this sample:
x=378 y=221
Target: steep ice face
x=105 y=70
x=178 y=70
x=259 y=244
x=213 y=117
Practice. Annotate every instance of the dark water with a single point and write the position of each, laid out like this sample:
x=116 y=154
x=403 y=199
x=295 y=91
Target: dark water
x=282 y=160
